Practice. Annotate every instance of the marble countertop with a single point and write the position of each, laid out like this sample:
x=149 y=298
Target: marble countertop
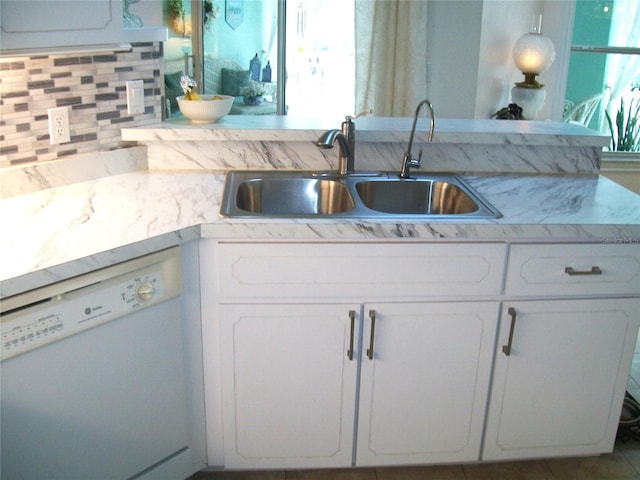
x=370 y=129
x=68 y=230
x=80 y=214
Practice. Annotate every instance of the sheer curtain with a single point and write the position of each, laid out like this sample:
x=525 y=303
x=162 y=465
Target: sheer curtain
x=391 y=56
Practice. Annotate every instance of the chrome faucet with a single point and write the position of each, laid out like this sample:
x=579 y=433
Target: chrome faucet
x=409 y=161
x=346 y=139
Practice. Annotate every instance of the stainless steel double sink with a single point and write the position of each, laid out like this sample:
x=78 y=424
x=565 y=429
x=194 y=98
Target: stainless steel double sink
x=298 y=194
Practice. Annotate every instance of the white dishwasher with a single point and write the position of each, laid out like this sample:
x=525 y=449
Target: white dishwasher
x=92 y=376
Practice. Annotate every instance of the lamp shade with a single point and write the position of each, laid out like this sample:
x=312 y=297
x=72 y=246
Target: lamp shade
x=533 y=53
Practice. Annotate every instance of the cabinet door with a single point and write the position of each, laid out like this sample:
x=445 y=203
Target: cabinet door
x=559 y=391
x=288 y=385
x=46 y=24
x=424 y=389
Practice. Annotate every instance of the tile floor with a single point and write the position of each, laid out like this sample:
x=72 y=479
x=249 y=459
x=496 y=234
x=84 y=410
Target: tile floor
x=622 y=464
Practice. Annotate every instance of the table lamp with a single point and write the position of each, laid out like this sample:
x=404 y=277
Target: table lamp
x=533 y=53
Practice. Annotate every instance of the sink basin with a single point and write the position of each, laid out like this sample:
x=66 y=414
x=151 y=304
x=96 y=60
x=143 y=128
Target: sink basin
x=292 y=196
x=297 y=194
x=416 y=197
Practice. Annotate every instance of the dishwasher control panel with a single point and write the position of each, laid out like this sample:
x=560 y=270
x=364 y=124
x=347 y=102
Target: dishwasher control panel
x=51 y=319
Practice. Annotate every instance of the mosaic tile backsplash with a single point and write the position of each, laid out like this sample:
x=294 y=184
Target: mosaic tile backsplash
x=92 y=85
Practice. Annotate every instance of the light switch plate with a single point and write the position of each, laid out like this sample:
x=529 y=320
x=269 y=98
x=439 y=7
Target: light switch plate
x=135 y=97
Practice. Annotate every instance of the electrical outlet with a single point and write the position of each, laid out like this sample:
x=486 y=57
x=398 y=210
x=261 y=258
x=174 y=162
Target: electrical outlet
x=59 y=125
x=135 y=96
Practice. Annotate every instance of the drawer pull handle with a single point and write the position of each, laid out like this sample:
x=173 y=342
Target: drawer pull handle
x=595 y=270
x=506 y=349
x=372 y=315
x=352 y=316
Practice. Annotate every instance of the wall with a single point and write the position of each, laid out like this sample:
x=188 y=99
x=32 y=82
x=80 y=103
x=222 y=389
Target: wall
x=470 y=59
x=453 y=58
x=91 y=84
x=95 y=83
x=622 y=168
x=250 y=37
x=503 y=22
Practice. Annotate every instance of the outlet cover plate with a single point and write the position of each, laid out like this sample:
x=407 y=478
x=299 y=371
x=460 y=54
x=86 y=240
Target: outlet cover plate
x=59 y=131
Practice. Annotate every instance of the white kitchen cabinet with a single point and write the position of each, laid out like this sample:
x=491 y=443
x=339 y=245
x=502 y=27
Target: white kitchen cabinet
x=558 y=270
x=46 y=24
x=289 y=385
x=367 y=271
x=290 y=392
x=424 y=382
x=562 y=365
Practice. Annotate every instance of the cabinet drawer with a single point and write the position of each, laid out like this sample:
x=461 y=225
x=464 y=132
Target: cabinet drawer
x=303 y=270
x=584 y=269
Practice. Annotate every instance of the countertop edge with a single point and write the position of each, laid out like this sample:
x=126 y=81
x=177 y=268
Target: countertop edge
x=372 y=129
x=328 y=231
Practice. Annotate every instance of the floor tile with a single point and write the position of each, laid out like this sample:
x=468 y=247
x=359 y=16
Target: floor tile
x=526 y=470
x=453 y=472
x=631 y=451
x=342 y=474
x=623 y=464
x=255 y=475
x=603 y=467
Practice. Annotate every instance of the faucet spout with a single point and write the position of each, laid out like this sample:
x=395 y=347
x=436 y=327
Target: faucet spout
x=345 y=157
x=346 y=139
x=409 y=161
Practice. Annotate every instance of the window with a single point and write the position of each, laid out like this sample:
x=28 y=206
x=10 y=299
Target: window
x=604 y=69
x=320 y=58
x=320 y=52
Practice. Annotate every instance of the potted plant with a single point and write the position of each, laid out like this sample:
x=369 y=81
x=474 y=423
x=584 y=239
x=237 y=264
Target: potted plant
x=252 y=93
x=211 y=12
x=627 y=127
x=176 y=13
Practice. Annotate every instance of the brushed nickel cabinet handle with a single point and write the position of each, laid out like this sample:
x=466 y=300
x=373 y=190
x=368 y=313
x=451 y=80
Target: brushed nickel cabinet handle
x=595 y=270
x=506 y=349
x=352 y=316
x=372 y=315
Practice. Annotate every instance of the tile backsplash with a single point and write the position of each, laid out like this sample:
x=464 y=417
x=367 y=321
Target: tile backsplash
x=92 y=85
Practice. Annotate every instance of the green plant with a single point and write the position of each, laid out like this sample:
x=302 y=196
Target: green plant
x=176 y=9
x=211 y=12
x=176 y=13
x=512 y=112
x=626 y=137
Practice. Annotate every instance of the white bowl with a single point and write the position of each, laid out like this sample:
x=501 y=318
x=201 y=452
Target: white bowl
x=205 y=110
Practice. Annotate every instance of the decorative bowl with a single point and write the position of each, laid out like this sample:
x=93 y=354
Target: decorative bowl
x=206 y=110
x=252 y=99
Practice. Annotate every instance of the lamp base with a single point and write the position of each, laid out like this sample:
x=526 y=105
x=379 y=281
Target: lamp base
x=530 y=99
